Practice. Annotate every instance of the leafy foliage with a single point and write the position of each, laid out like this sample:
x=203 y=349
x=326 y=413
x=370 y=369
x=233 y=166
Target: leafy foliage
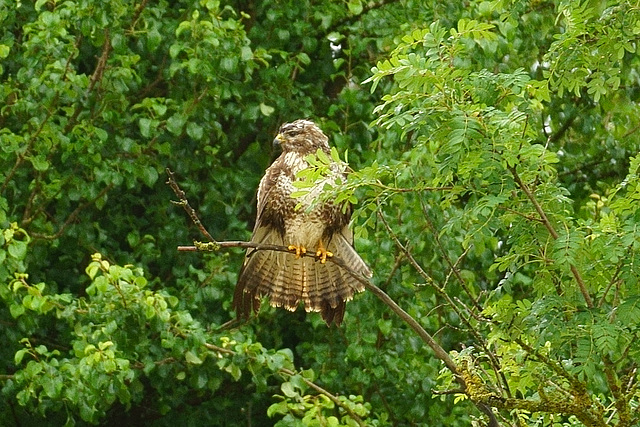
x=497 y=200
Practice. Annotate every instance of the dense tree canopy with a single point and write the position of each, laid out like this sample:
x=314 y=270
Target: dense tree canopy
x=497 y=198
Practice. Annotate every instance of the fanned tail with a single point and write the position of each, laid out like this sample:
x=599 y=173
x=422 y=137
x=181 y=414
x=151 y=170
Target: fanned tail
x=286 y=280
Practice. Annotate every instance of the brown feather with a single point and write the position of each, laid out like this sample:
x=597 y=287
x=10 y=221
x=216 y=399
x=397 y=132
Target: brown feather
x=282 y=277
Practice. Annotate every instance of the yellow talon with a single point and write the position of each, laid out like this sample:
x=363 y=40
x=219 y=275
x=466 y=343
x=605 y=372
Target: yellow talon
x=322 y=253
x=299 y=250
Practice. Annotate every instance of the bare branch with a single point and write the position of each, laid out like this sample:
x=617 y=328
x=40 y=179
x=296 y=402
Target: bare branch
x=185 y=204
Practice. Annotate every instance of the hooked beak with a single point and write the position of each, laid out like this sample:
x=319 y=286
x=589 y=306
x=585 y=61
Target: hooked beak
x=278 y=140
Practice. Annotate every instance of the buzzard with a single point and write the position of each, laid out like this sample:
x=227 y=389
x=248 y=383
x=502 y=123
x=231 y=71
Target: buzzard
x=287 y=278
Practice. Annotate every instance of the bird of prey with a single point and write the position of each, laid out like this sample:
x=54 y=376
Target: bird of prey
x=307 y=227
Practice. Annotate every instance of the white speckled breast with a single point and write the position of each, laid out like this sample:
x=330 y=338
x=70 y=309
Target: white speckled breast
x=306 y=228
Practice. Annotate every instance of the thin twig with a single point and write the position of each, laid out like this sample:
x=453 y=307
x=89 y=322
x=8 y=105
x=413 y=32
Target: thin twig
x=453 y=267
x=96 y=77
x=185 y=204
x=137 y=13
x=613 y=280
x=422 y=333
x=439 y=352
x=545 y=221
x=441 y=292
x=72 y=216
x=308 y=382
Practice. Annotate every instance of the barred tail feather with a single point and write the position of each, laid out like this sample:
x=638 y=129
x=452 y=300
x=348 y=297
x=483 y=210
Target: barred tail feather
x=286 y=280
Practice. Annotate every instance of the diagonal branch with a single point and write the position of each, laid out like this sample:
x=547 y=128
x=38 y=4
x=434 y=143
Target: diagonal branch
x=547 y=224
x=72 y=217
x=439 y=352
x=290 y=373
x=453 y=267
x=185 y=204
x=422 y=333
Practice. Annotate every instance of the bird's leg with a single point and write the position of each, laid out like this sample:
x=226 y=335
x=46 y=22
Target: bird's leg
x=298 y=250
x=322 y=253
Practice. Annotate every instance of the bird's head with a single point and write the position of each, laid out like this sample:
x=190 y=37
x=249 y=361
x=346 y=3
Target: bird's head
x=301 y=136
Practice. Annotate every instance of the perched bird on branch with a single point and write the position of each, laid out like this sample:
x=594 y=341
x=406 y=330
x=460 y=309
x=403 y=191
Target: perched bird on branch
x=304 y=225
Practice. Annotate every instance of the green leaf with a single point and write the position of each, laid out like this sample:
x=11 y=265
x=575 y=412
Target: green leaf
x=355 y=7
x=385 y=327
x=39 y=162
x=299 y=193
x=104 y=345
x=266 y=110
x=17 y=249
x=20 y=355
x=154 y=38
x=192 y=358
x=288 y=389
x=149 y=175
x=195 y=131
x=246 y=53
x=145 y=125
x=176 y=123
x=52 y=385
x=17 y=310
x=322 y=157
x=277 y=408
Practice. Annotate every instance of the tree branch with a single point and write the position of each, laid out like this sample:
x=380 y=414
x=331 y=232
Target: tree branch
x=72 y=216
x=439 y=352
x=25 y=152
x=422 y=333
x=347 y=20
x=453 y=267
x=547 y=224
x=308 y=382
x=185 y=204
